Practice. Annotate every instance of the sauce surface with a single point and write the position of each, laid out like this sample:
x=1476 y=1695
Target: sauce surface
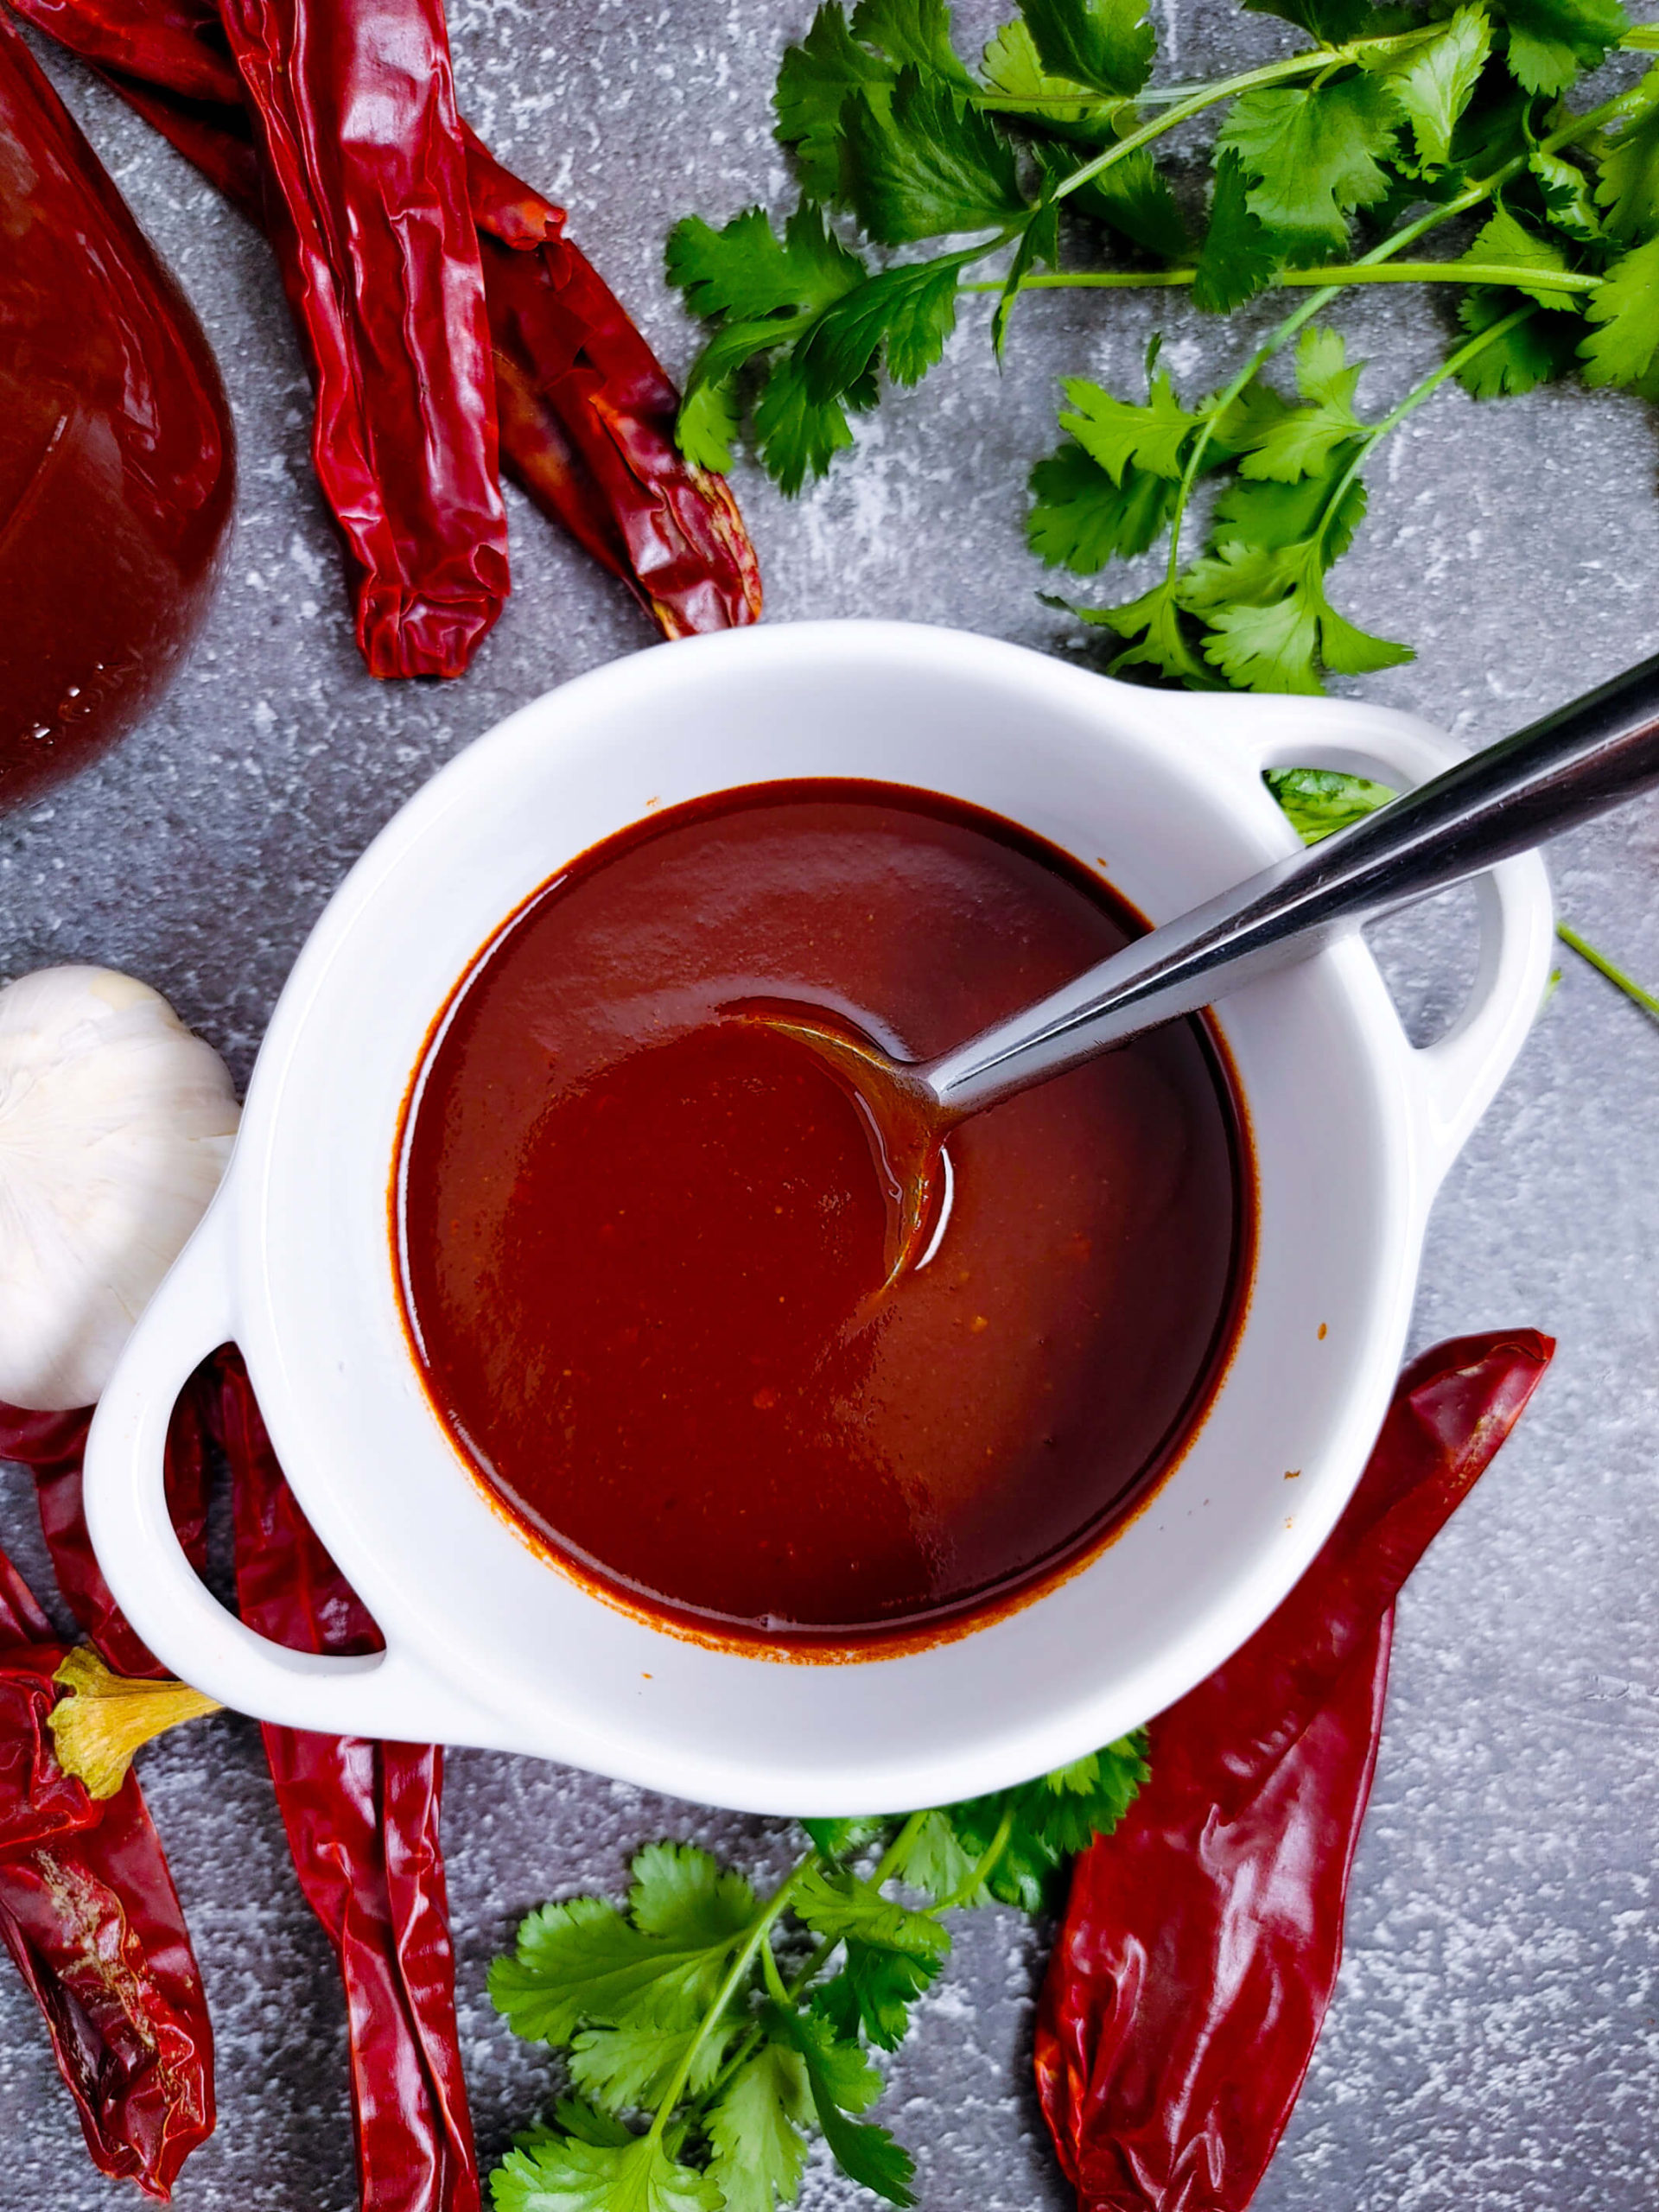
x=638 y=1243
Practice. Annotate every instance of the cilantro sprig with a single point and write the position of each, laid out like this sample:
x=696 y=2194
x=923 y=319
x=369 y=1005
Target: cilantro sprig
x=1045 y=166
x=708 y=2033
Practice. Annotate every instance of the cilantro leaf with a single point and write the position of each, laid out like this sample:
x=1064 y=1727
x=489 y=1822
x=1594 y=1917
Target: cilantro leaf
x=759 y=2153
x=841 y=1839
x=1629 y=183
x=1330 y=22
x=1241 y=255
x=1281 y=514
x=1014 y=71
x=937 y=1862
x=913 y=310
x=843 y=2081
x=1550 y=40
x=873 y=1991
x=546 y=2173
x=1041 y=1825
x=798 y=434
x=1155 y=636
x=1535 y=352
x=1319 y=801
x=745 y=271
x=584 y=1961
x=681 y=1895
x=1080 y=518
x=1134 y=198
x=923 y=163
x=1301 y=441
x=1270 y=622
x=1039 y=242
x=1263 y=612
x=621 y=2068
x=773 y=286
x=913 y=31
x=1625 y=311
x=1117 y=434
x=707 y=424
x=1432 y=83
x=576 y=2116
x=1504 y=238
x=813 y=83
x=1106 y=44
x=1566 y=192
x=839 y=1906
x=1313 y=156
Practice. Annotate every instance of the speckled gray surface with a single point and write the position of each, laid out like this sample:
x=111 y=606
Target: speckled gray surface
x=1494 y=2043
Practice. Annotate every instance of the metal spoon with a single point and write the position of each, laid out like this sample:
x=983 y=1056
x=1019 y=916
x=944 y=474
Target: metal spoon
x=1573 y=765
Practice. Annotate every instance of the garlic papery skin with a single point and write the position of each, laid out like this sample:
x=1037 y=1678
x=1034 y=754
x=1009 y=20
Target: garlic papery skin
x=116 y=1124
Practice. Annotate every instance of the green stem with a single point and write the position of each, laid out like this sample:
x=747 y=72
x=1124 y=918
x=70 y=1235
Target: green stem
x=898 y=1851
x=1414 y=399
x=1388 y=249
x=1339 y=273
x=891 y=1859
x=1604 y=966
x=1248 y=80
x=735 y=1973
x=972 y=1882
x=770 y=1974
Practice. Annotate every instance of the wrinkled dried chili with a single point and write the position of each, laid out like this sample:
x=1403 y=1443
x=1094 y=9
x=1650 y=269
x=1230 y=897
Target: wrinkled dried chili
x=362 y=1824
x=1202 y=1937
x=353 y=109
x=92 y=1920
x=38 y=1801
x=586 y=411
x=593 y=413
x=52 y=1446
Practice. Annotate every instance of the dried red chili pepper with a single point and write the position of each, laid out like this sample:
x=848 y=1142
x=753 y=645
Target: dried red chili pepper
x=93 y=1922
x=38 y=1801
x=90 y=1915
x=52 y=1446
x=592 y=418
x=1202 y=1937
x=362 y=1823
x=116 y=458
x=586 y=411
x=353 y=110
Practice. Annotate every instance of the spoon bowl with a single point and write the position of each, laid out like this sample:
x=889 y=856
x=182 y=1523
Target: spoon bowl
x=1587 y=757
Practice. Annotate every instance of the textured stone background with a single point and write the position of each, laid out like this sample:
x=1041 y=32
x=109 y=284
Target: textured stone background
x=1494 y=2042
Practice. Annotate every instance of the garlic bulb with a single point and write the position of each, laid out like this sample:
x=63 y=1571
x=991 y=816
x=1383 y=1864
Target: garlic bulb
x=115 y=1126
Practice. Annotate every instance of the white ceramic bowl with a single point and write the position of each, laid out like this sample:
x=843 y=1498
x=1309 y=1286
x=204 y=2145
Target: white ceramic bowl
x=486 y=1643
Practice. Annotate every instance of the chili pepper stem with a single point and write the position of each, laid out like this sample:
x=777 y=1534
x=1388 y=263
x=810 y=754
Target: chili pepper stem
x=105 y=1717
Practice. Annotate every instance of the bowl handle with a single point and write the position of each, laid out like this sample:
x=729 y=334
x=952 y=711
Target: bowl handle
x=382 y=1694
x=1453 y=1081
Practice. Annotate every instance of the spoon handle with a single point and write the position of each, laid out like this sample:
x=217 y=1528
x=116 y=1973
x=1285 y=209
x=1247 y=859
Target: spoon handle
x=1573 y=765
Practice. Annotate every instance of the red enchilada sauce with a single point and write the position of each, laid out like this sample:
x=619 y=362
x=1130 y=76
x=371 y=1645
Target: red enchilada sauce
x=639 y=1243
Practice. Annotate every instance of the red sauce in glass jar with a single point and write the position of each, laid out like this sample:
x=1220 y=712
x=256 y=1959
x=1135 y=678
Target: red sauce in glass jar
x=117 y=456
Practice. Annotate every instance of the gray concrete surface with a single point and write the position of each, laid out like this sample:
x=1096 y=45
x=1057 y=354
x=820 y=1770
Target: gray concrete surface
x=1494 y=2042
